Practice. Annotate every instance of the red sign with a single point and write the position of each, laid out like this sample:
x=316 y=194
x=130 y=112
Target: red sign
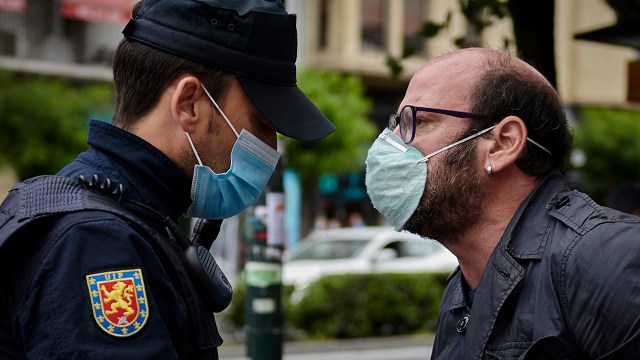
x=118 y=11
x=13 y=5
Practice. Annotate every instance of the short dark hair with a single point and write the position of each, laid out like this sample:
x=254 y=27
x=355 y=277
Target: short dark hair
x=141 y=73
x=505 y=88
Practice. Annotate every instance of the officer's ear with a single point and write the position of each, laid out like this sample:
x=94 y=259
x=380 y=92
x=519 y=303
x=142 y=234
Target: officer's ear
x=186 y=107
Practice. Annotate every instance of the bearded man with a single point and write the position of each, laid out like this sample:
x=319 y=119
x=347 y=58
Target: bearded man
x=475 y=158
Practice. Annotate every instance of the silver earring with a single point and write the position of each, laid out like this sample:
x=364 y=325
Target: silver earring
x=489 y=171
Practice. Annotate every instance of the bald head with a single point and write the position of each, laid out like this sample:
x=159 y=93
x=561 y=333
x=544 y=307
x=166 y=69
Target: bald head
x=497 y=84
x=480 y=56
x=435 y=83
x=458 y=71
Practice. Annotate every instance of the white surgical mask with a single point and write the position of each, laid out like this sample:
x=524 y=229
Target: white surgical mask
x=395 y=178
x=396 y=175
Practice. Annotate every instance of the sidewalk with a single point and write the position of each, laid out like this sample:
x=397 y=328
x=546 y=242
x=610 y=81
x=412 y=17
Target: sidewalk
x=230 y=349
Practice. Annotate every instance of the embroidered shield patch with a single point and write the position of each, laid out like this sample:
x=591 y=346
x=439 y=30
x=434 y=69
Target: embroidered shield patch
x=119 y=301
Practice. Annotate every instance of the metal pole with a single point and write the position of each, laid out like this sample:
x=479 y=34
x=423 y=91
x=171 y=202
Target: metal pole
x=263 y=307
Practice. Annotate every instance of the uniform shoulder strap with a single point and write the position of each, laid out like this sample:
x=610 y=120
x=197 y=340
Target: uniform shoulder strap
x=46 y=196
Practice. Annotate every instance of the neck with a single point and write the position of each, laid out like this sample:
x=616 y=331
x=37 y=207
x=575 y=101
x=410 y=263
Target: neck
x=475 y=246
x=160 y=130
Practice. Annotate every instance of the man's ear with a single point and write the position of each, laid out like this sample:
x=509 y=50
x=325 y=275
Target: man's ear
x=184 y=103
x=509 y=141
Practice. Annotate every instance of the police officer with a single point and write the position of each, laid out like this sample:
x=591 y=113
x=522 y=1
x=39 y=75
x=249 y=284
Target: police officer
x=93 y=264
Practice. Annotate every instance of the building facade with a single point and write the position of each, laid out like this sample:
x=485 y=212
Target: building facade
x=77 y=38
x=68 y=38
x=355 y=37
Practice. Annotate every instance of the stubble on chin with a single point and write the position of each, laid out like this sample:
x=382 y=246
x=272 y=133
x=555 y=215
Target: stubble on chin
x=452 y=199
x=209 y=147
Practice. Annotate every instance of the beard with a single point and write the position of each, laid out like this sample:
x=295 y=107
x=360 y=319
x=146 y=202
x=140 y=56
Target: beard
x=452 y=198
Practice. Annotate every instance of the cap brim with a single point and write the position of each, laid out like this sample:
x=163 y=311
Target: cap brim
x=288 y=109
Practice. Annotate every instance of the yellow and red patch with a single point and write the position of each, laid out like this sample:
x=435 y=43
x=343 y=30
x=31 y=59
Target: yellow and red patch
x=119 y=301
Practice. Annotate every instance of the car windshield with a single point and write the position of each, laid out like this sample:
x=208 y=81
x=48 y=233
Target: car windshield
x=333 y=249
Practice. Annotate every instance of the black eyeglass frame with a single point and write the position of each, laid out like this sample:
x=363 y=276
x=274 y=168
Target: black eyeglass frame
x=394 y=120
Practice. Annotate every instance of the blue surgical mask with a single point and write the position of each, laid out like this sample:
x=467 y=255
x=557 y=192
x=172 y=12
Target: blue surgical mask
x=220 y=196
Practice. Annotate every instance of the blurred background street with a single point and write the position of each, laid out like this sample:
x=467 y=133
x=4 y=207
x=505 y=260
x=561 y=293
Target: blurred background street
x=378 y=293
x=379 y=348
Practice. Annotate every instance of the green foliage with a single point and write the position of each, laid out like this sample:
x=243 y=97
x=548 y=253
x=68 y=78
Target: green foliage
x=610 y=140
x=357 y=305
x=43 y=122
x=235 y=314
x=480 y=14
x=342 y=100
x=431 y=28
x=483 y=13
x=395 y=65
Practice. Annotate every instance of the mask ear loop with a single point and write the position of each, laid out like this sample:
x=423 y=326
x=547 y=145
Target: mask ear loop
x=426 y=158
x=540 y=146
x=220 y=110
x=194 y=149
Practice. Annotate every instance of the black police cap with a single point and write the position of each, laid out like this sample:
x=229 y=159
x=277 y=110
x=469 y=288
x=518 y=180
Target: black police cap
x=254 y=39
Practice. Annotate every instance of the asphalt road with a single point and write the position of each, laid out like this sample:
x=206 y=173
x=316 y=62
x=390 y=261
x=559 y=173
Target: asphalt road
x=416 y=347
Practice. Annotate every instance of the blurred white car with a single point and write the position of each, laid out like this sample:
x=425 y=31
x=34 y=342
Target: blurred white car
x=363 y=250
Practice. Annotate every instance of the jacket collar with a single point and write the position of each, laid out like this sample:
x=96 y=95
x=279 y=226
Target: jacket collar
x=147 y=174
x=524 y=237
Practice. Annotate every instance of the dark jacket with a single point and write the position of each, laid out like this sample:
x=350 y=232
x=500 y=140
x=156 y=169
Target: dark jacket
x=54 y=306
x=562 y=283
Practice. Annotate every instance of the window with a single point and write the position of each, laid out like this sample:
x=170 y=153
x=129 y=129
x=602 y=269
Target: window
x=374 y=23
x=331 y=249
x=323 y=31
x=413 y=248
x=413 y=21
x=7 y=43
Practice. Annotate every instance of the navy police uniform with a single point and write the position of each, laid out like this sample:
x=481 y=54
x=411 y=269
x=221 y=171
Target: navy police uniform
x=84 y=275
x=102 y=284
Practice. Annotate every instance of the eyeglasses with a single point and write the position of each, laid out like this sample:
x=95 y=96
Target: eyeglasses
x=407 y=119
